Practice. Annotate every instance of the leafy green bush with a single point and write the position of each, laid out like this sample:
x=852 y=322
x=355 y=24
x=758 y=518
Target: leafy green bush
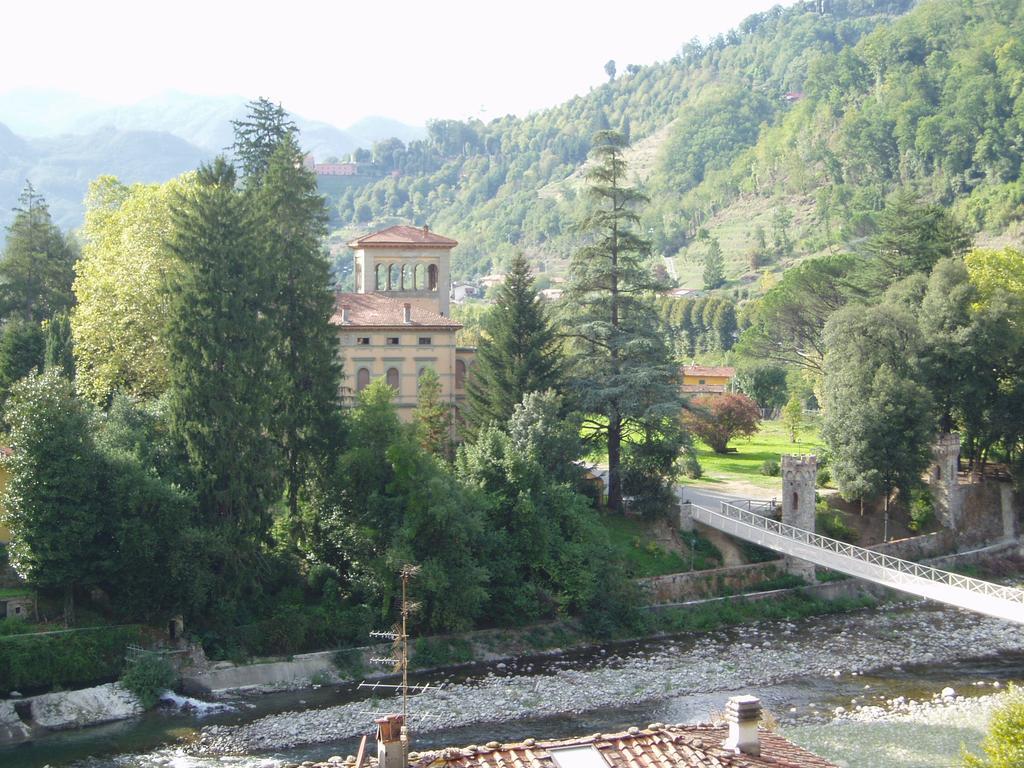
x=823 y=477
x=13 y=625
x=691 y=466
x=40 y=662
x=770 y=467
x=829 y=522
x=348 y=662
x=441 y=652
x=1004 y=743
x=147 y=676
x=922 y=510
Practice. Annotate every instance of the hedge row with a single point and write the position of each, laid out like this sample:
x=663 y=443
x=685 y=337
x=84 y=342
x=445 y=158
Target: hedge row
x=60 y=660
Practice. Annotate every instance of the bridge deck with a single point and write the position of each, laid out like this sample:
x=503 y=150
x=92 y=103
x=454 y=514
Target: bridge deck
x=914 y=578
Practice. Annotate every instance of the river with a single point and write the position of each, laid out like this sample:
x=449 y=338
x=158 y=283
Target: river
x=803 y=671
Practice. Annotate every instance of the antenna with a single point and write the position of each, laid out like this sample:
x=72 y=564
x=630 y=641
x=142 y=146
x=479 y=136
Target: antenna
x=399 y=658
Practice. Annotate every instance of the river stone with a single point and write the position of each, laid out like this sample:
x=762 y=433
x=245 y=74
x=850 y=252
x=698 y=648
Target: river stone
x=11 y=727
x=89 y=706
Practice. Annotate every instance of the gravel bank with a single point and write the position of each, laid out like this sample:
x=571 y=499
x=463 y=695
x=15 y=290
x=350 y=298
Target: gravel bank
x=756 y=655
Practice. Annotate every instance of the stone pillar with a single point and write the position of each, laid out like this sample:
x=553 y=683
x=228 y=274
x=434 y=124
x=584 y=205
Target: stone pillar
x=942 y=477
x=685 y=513
x=799 y=478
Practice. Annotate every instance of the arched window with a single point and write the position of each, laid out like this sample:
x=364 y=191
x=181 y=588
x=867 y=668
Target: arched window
x=460 y=374
x=362 y=379
x=392 y=378
x=421 y=277
x=432 y=277
x=407 y=278
x=796 y=500
x=359 y=280
x=382 y=277
x=394 y=277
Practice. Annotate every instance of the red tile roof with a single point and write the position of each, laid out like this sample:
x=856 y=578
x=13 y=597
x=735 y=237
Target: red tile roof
x=401 y=235
x=372 y=310
x=709 y=370
x=658 y=746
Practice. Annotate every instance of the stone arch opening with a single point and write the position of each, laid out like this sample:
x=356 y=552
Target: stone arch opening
x=392 y=378
x=460 y=374
x=420 y=277
x=408 y=282
x=432 y=277
x=394 y=277
x=382 y=277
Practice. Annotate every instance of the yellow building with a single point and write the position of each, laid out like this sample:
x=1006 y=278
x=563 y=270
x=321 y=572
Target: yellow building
x=702 y=379
x=397 y=322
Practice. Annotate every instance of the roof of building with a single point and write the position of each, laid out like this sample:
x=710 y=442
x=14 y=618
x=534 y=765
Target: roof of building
x=709 y=370
x=372 y=310
x=400 y=236
x=657 y=746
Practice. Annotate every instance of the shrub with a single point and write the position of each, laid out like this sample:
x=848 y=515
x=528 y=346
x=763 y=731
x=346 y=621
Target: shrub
x=770 y=467
x=348 y=662
x=440 y=652
x=691 y=466
x=147 y=676
x=922 y=510
x=829 y=522
x=39 y=662
x=13 y=625
x=824 y=477
x=1004 y=743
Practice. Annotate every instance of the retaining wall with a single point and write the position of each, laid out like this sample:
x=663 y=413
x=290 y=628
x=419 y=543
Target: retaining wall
x=693 y=585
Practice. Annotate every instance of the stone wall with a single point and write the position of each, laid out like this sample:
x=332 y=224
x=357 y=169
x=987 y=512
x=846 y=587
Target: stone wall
x=991 y=510
x=695 y=585
x=919 y=547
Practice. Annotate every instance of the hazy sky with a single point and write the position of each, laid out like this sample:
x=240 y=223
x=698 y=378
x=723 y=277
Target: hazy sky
x=339 y=60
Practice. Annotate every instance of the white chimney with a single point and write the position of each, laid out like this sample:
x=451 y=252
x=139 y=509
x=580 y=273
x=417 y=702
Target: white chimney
x=391 y=742
x=345 y=313
x=743 y=713
x=407 y=313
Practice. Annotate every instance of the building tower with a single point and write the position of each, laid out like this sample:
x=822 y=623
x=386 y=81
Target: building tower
x=799 y=478
x=410 y=264
x=943 y=479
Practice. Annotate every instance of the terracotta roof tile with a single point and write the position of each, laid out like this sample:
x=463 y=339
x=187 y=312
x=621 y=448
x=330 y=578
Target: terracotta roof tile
x=402 y=235
x=674 y=746
x=372 y=310
x=709 y=370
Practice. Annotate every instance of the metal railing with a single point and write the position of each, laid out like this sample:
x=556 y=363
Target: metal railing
x=858 y=561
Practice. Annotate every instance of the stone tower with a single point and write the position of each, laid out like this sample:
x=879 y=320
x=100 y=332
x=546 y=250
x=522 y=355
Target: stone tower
x=943 y=480
x=799 y=478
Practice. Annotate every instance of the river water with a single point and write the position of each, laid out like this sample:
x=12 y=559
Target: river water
x=805 y=704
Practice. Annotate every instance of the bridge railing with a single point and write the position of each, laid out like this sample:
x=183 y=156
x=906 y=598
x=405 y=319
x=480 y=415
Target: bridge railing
x=935 y=575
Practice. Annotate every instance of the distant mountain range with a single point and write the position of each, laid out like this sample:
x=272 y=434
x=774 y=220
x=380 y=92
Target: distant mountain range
x=61 y=141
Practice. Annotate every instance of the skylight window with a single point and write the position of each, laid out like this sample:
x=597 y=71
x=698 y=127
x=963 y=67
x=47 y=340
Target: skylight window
x=584 y=756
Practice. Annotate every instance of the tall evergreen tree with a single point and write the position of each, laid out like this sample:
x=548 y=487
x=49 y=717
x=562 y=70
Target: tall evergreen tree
x=306 y=375
x=432 y=416
x=37 y=267
x=60 y=345
x=258 y=135
x=623 y=374
x=220 y=338
x=714 y=266
x=518 y=354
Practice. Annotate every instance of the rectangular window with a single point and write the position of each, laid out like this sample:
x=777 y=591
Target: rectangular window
x=393 y=340
x=363 y=340
x=425 y=340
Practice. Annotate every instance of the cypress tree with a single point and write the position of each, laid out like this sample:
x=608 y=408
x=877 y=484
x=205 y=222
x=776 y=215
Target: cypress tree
x=220 y=340
x=623 y=373
x=519 y=353
x=306 y=375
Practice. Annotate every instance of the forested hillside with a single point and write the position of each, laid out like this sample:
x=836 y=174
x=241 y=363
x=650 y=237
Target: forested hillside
x=779 y=139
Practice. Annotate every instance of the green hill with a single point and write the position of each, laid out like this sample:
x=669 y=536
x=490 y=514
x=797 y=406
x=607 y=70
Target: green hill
x=781 y=139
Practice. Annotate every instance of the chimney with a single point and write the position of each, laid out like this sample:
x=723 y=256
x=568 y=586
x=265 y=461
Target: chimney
x=743 y=713
x=392 y=741
x=344 y=313
x=407 y=313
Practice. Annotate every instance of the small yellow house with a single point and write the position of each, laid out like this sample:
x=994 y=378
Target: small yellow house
x=707 y=379
x=397 y=324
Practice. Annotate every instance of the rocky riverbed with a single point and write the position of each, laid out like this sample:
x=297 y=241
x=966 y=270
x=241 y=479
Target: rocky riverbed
x=739 y=659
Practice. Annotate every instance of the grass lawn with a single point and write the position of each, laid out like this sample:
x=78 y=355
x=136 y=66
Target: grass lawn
x=744 y=462
x=6 y=592
x=633 y=542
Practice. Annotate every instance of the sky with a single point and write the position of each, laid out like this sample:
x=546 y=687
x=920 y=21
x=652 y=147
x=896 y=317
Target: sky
x=338 y=61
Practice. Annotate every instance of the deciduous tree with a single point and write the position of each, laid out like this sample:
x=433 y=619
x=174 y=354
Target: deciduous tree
x=717 y=419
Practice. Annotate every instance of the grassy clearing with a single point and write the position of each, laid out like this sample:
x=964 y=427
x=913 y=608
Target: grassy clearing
x=744 y=463
x=631 y=540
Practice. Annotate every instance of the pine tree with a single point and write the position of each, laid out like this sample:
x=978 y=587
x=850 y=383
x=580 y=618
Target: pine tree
x=37 y=267
x=60 y=345
x=258 y=135
x=220 y=338
x=622 y=371
x=519 y=353
x=306 y=375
